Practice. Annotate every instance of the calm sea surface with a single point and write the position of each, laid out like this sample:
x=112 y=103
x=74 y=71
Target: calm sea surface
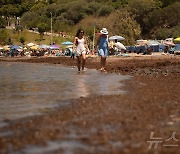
x=30 y=89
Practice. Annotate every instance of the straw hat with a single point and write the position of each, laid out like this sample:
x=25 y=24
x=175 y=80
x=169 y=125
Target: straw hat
x=104 y=31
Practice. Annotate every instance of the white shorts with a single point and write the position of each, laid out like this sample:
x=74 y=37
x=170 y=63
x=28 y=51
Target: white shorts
x=79 y=53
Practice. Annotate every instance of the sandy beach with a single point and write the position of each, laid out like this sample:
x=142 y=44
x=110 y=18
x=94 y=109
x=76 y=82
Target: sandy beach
x=108 y=124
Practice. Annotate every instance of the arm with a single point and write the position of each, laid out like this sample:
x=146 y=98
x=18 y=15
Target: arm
x=108 y=43
x=97 y=43
x=86 y=44
x=74 y=44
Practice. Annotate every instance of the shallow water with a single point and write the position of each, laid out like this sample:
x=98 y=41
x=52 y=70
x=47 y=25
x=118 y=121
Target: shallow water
x=30 y=89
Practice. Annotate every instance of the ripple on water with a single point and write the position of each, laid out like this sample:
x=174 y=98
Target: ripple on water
x=31 y=89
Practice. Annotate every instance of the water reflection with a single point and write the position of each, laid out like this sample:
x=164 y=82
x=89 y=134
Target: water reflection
x=26 y=89
x=81 y=86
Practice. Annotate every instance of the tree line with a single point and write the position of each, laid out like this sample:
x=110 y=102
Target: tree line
x=133 y=19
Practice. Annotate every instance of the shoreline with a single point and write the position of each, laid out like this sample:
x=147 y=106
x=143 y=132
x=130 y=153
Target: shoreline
x=150 y=105
x=124 y=65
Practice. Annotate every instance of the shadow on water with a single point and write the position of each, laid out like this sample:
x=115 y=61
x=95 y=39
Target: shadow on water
x=28 y=89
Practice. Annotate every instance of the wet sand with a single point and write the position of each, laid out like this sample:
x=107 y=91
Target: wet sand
x=109 y=124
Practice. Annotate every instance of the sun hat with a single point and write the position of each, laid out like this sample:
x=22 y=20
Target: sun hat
x=104 y=31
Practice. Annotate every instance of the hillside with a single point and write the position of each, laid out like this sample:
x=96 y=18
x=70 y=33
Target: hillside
x=133 y=19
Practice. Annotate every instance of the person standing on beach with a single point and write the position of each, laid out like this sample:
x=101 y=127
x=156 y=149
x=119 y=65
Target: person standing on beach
x=80 y=43
x=102 y=45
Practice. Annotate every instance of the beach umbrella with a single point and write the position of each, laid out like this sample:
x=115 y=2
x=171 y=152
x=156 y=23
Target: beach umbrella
x=35 y=47
x=169 y=43
x=44 y=46
x=6 y=48
x=177 y=39
x=69 y=46
x=19 y=50
x=54 y=47
x=30 y=44
x=120 y=46
x=15 y=47
x=116 y=37
x=67 y=43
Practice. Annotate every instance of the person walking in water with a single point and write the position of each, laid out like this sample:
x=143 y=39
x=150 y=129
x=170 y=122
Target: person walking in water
x=102 y=45
x=80 y=43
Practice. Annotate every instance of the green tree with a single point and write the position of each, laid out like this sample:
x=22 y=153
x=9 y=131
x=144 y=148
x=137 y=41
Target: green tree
x=176 y=31
x=22 y=40
x=29 y=20
x=33 y=19
x=121 y=23
x=166 y=3
x=93 y=8
x=3 y=36
x=42 y=27
x=2 y=22
x=9 y=42
x=61 y=26
x=18 y=28
x=105 y=10
x=38 y=6
x=140 y=9
x=164 y=18
x=162 y=33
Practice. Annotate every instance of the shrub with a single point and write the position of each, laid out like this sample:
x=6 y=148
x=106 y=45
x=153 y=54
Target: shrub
x=3 y=36
x=22 y=40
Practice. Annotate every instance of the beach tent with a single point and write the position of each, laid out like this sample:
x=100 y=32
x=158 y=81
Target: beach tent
x=130 y=48
x=116 y=37
x=161 y=47
x=153 y=43
x=140 y=49
x=177 y=47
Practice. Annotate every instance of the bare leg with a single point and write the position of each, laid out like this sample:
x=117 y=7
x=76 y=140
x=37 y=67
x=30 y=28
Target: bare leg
x=103 y=63
x=79 y=63
x=83 y=61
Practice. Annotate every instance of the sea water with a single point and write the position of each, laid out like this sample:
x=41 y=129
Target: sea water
x=28 y=89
